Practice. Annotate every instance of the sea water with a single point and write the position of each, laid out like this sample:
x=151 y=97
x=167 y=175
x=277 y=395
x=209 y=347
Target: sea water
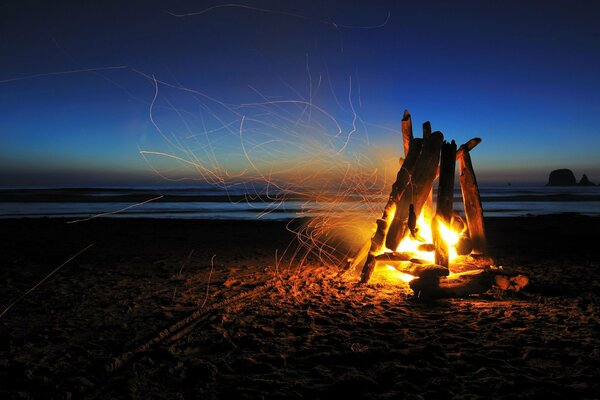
x=207 y=202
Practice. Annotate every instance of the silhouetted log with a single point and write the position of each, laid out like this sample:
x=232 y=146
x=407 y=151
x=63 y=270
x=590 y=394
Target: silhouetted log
x=455 y=285
x=471 y=200
x=481 y=260
x=458 y=224
x=444 y=201
x=470 y=145
x=464 y=246
x=407 y=132
x=426 y=129
x=403 y=178
x=420 y=270
x=417 y=191
x=428 y=206
x=467 y=283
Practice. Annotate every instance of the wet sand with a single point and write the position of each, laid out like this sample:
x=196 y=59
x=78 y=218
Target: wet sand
x=251 y=327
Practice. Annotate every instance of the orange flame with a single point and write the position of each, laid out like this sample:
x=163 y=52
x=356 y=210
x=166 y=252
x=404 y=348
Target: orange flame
x=410 y=244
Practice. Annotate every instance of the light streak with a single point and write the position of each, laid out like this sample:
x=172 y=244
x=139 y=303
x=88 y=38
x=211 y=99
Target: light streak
x=115 y=212
x=69 y=72
x=281 y=152
x=280 y=12
x=43 y=280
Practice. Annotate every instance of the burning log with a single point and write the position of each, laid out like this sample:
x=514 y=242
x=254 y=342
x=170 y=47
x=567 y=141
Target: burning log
x=471 y=198
x=390 y=257
x=402 y=181
x=417 y=190
x=445 y=197
x=426 y=247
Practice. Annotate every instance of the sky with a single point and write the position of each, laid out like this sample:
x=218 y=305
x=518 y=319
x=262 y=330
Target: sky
x=88 y=90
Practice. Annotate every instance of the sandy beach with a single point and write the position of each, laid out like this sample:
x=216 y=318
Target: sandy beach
x=204 y=309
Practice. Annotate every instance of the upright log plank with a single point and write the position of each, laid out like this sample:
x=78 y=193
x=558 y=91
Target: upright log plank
x=407 y=132
x=426 y=129
x=403 y=178
x=417 y=190
x=444 y=201
x=428 y=207
x=471 y=198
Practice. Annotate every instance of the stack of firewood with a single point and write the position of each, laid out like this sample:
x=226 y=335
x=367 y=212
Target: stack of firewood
x=427 y=159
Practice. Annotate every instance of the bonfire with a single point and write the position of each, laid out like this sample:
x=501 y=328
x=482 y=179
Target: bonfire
x=434 y=249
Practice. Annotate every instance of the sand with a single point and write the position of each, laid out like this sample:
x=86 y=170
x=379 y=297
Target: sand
x=257 y=328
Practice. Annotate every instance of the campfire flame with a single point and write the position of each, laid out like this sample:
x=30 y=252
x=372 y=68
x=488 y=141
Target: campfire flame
x=400 y=275
x=411 y=244
x=450 y=236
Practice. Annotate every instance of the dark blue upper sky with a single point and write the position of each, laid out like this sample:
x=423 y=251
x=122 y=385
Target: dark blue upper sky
x=523 y=75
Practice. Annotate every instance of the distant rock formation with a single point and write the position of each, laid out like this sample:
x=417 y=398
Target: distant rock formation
x=562 y=177
x=585 y=181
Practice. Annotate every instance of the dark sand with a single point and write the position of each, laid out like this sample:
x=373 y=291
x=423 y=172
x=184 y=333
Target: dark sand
x=298 y=333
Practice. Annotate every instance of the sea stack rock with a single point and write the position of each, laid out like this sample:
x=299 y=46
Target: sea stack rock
x=562 y=177
x=585 y=181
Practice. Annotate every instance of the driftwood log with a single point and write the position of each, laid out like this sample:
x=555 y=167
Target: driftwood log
x=468 y=283
x=411 y=195
x=358 y=259
x=416 y=192
x=424 y=271
x=403 y=178
x=428 y=206
x=407 y=132
x=471 y=197
x=444 y=202
x=390 y=257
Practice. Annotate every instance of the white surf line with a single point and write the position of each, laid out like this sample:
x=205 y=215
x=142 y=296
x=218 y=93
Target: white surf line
x=117 y=211
x=43 y=280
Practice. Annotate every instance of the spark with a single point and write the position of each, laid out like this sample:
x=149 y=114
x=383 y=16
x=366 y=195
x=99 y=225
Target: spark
x=284 y=152
x=284 y=13
x=115 y=212
x=44 y=280
x=74 y=71
x=212 y=267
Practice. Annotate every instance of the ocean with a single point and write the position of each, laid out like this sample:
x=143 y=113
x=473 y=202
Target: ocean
x=206 y=202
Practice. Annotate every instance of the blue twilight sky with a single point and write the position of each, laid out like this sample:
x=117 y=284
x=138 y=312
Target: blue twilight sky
x=523 y=75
